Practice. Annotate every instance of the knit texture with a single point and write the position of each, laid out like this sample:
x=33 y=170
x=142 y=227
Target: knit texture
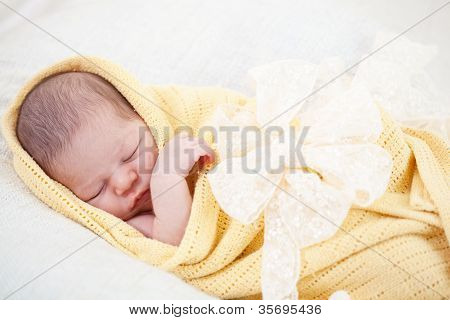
x=398 y=248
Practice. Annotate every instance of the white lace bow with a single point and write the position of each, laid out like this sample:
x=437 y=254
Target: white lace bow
x=304 y=196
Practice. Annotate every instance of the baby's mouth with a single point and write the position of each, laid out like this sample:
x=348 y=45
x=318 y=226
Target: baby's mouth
x=142 y=198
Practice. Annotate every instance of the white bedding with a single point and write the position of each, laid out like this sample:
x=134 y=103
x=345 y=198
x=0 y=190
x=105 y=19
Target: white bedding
x=191 y=42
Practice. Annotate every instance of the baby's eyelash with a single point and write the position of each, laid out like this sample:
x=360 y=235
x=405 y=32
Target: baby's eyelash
x=134 y=152
x=103 y=186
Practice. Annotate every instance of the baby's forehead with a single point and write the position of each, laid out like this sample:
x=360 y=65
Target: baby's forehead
x=100 y=140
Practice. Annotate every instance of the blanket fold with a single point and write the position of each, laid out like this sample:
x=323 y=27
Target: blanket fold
x=394 y=249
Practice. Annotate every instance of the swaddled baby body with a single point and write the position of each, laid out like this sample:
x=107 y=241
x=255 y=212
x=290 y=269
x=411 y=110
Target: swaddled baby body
x=85 y=134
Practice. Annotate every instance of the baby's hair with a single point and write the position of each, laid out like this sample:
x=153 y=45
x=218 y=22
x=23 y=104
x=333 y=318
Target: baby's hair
x=58 y=106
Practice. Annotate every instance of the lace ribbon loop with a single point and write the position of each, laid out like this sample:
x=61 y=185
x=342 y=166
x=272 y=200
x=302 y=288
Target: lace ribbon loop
x=306 y=201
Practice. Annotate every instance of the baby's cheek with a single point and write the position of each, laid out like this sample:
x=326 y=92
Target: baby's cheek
x=110 y=204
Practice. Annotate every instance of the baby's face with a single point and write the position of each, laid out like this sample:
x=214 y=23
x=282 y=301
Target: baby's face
x=109 y=165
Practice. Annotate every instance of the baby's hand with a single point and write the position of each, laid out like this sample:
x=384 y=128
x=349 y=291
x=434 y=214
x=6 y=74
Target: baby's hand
x=171 y=198
x=181 y=153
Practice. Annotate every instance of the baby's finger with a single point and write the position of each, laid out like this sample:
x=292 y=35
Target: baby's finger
x=207 y=152
x=210 y=152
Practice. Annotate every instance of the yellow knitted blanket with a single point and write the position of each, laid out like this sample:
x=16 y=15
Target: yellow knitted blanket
x=398 y=248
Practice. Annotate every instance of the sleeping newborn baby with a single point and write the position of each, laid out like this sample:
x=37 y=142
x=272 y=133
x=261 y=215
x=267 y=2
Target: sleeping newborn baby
x=85 y=134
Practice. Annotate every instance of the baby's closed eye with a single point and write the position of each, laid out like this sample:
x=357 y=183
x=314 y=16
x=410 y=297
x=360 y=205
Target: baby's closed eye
x=134 y=152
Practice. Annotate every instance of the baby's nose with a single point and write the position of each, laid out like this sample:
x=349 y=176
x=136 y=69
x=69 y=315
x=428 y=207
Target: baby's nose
x=124 y=182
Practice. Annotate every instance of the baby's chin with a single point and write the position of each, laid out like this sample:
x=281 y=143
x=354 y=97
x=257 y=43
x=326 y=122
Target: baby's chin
x=144 y=213
x=147 y=208
x=138 y=213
